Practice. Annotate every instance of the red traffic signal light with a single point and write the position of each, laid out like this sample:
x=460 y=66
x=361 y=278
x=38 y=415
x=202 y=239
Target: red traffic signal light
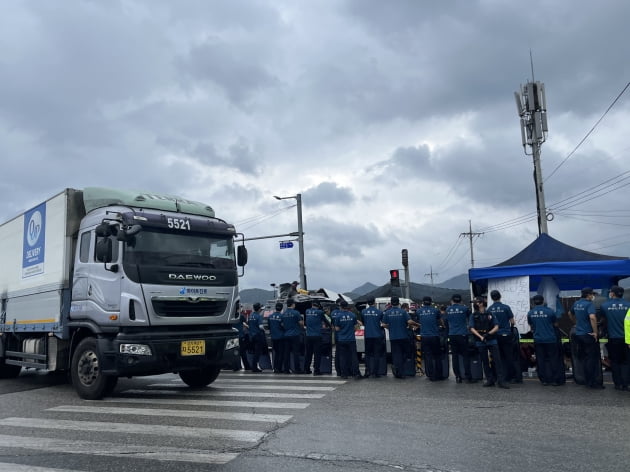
x=394 y=277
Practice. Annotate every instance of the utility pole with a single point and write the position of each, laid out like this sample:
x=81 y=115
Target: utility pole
x=431 y=274
x=470 y=235
x=300 y=235
x=532 y=109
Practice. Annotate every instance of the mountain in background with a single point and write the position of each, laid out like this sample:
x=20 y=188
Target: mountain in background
x=253 y=295
x=362 y=290
x=459 y=282
x=416 y=293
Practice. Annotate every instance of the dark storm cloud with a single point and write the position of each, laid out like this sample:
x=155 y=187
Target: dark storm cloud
x=230 y=67
x=336 y=238
x=239 y=155
x=488 y=45
x=55 y=83
x=328 y=192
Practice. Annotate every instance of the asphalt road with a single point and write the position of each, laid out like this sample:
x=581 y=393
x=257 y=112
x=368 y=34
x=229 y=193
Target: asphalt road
x=265 y=422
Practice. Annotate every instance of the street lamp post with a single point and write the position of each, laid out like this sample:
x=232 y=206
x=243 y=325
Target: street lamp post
x=298 y=199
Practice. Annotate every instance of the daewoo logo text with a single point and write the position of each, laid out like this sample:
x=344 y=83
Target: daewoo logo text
x=199 y=277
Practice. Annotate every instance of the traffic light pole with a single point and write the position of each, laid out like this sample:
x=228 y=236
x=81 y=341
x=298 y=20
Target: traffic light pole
x=405 y=263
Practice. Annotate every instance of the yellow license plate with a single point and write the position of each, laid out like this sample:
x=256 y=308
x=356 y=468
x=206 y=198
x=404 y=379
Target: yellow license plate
x=193 y=348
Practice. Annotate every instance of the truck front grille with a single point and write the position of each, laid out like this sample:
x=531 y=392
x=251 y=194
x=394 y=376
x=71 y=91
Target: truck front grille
x=178 y=308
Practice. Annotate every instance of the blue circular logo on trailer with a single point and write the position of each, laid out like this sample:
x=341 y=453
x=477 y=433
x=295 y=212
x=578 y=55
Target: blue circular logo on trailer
x=34 y=228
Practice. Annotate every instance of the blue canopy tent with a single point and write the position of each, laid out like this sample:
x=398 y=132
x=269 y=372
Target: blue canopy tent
x=571 y=268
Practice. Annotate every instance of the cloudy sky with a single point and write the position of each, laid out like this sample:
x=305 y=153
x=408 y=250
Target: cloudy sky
x=395 y=121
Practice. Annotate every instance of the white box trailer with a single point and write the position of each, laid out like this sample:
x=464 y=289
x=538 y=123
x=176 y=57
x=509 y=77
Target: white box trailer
x=107 y=283
x=36 y=250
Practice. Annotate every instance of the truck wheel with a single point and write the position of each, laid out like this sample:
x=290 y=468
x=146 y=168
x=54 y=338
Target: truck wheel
x=200 y=377
x=8 y=371
x=87 y=378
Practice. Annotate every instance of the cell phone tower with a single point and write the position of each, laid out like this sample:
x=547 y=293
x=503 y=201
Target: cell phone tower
x=532 y=109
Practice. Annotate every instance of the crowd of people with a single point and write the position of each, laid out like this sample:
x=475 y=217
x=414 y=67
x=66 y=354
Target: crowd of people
x=483 y=342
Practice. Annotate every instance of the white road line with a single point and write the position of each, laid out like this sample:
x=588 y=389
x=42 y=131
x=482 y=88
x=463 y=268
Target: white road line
x=151 y=429
x=276 y=380
x=214 y=393
x=220 y=403
x=218 y=415
x=72 y=446
x=6 y=467
x=277 y=387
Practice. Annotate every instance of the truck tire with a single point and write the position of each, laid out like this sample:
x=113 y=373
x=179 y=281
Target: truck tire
x=8 y=371
x=200 y=377
x=87 y=378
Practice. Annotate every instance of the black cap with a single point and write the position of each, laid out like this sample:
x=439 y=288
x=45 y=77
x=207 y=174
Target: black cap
x=456 y=298
x=395 y=300
x=538 y=299
x=371 y=300
x=257 y=306
x=343 y=304
x=495 y=295
x=617 y=290
x=290 y=302
x=317 y=303
x=279 y=306
x=427 y=300
x=587 y=291
x=480 y=301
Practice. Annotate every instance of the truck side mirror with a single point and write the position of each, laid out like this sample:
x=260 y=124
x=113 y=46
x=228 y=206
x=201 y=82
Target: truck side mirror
x=241 y=255
x=104 y=250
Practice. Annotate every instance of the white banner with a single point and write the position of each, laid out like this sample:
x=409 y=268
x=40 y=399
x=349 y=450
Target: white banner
x=515 y=293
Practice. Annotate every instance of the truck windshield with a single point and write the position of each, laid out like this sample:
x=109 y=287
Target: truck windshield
x=150 y=247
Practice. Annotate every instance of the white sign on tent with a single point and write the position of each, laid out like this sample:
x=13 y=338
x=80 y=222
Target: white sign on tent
x=515 y=293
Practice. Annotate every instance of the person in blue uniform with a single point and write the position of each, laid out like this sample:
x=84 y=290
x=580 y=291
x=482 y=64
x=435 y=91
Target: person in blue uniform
x=457 y=319
x=335 y=311
x=543 y=322
x=614 y=312
x=276 y=332
x=484 y=326
x=292 y=324
x=313 y=320
x=505 y=339
x=430 y=321
x=345 y=323
x=396 y=321
x=243 y=340
x=257 y=336
x=374 y=337
x=583 y=314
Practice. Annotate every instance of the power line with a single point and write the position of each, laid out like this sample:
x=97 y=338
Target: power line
x=451 y=251
x=256 y=220
x=589 y=133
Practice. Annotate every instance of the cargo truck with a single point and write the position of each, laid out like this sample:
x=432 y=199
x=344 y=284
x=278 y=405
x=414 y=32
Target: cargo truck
x=103 y=284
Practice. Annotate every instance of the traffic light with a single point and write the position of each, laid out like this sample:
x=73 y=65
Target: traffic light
x=405 y=258
x=394 y=278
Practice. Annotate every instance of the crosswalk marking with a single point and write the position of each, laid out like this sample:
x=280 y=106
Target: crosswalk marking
x=6 y=467
x=220 y=403
x=224 y=385
x=159 y=453
x=150 y=429
x=177 y=390
x=221 y=380
x=219 y=415
x=258 y=394
x=276 y=387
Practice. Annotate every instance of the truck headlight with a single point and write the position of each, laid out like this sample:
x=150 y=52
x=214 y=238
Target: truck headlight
x=231 y=343
x=136 y=349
